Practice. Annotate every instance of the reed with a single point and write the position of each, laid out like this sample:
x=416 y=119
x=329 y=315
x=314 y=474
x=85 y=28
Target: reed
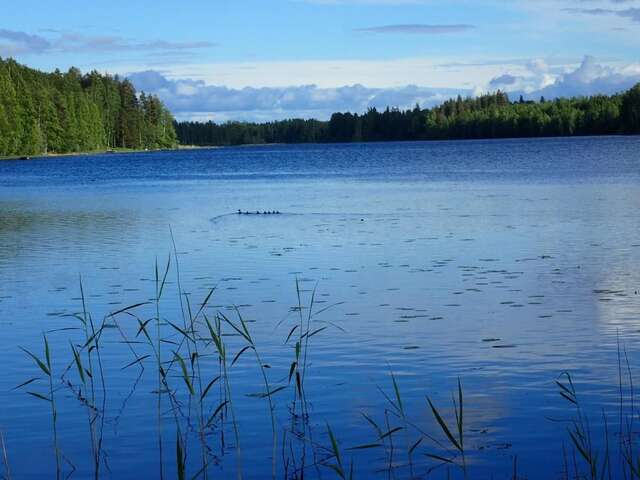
x=243 y=331
x=91 y=345
x=455 y=437
x=338 y=467
x=592 y=462
x=46 y=367
x=217 y=339
x=160 y=282
x=5 y=458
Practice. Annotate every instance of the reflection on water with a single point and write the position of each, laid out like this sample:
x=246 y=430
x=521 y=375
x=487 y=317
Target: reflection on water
x=501 y=263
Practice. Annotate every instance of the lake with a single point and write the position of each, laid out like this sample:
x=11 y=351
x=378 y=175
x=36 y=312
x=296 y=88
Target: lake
x=501 y=264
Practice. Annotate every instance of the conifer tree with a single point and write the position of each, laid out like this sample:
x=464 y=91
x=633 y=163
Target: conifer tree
x=70 y=112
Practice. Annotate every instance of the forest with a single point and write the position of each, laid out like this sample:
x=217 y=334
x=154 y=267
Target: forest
x=488 y=116
x=51 y=113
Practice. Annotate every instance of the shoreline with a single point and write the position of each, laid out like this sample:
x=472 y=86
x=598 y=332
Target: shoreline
x=242 y=145
x=112 y=151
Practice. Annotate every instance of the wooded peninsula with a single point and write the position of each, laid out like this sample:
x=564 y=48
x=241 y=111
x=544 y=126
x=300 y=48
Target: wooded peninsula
x=45 y=113
x=57 y=113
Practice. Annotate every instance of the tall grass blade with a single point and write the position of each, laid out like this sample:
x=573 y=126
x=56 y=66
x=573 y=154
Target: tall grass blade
x=185 y=373
x=78 y=362
x=444 y=426
x=39 y=362
x=180 y=458
x=460 y=416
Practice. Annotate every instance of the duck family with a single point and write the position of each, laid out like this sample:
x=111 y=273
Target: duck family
x=258 y=212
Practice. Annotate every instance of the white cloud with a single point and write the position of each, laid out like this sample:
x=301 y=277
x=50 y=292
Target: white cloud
x=586 y=78
x=591 y=78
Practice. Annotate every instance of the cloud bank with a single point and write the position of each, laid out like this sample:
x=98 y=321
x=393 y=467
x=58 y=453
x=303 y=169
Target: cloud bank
x=188 y=98
x=195 y=99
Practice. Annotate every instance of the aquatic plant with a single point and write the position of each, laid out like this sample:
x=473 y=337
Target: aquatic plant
x=5 y=458
x=456 y=439
x=46 y=367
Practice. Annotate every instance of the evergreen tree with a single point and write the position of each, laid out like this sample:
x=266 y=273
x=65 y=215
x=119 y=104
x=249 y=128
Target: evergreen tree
x=68 y=112
x=631 y=110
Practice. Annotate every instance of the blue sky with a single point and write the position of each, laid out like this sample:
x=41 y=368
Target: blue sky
x=260 y=60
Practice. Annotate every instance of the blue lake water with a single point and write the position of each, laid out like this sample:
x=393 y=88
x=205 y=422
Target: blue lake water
x=499 y=263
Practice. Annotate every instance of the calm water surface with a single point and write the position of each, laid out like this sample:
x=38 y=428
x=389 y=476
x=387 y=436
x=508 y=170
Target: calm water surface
x=502 y=263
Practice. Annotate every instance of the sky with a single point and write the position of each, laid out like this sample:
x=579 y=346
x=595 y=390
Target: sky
x=262 y=60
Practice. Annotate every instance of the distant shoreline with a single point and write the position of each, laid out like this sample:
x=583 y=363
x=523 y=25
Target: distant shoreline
x=420 y=140
x=113 y=151
x=258 y=145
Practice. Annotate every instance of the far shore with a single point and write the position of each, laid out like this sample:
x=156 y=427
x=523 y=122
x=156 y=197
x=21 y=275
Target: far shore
x=106 y=152
x=252 y=145
x=132 y=150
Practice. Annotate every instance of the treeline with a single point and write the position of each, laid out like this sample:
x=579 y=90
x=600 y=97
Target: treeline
x=242 y=133
x=488 y=116
x=70 y=112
